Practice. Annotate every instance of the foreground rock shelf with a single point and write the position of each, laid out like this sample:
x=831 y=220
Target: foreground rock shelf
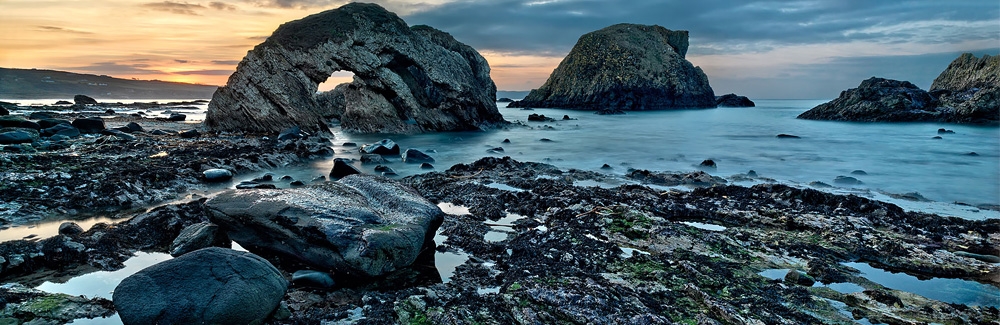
x=595 y=255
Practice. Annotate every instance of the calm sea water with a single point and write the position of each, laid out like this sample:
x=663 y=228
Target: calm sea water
x=897 y=157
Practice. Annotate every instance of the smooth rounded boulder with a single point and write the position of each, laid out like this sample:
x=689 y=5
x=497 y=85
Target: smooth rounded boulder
x=383 y=147
x=208 y=286
x=360 y=225
x=89 y=124
x=416 y=156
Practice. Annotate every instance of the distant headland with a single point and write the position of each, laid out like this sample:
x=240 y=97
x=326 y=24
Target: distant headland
x=49 y=84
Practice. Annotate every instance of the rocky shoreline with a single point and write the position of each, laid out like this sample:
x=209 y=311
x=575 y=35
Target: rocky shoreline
x=579 y=254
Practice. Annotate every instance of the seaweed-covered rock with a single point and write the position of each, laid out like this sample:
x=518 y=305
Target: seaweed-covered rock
x=625 y=67
x=361 y=225
x=407 y=79
x=208 y=286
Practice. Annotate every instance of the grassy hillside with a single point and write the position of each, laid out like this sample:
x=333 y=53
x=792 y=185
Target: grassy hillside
x=46 y=84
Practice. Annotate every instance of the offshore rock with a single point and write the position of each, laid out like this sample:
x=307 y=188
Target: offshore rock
x=966 y=92
x=625 y=67
x=878 y=100
x=733 y=100
x=208 y=286
x=84 y=100
x=971 y=87
x=360 y=225
x=406 y=80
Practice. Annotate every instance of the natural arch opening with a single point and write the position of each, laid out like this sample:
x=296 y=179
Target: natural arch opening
x=336 y=78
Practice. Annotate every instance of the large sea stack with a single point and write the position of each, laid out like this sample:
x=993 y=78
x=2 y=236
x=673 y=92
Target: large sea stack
x=625 y=67
x=966 y=92
x=406 y=80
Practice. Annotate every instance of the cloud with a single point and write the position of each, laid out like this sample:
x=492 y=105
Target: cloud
x=221 y=6
x=113 y=68
x=205 y=72
x=226 y=62
x=61 y=29
x=181 y=61
x=530 y=26
x=298 y=4
x=180 y=8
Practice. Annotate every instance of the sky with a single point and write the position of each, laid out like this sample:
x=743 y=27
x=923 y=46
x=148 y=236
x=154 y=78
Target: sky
x=761 y=49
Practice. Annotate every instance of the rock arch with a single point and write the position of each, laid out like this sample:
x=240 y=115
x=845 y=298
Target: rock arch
x=406 y=80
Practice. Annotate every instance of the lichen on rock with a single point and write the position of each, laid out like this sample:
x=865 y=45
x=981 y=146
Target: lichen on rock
x=625 y=67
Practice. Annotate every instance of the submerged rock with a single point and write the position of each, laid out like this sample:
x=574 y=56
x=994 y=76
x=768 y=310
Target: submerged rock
x=625 y=67
x=208 y=286
x=733 y=100
x=847 y=180
x=361 y=225
x=370 y=158
x=407 y=79
x=416 y=156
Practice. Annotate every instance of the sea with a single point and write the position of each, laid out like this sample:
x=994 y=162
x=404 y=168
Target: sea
x=957 y=174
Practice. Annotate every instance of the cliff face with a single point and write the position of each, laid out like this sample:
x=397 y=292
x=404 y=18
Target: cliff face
x=625 y=67
x=406 y=80
x=966 y=92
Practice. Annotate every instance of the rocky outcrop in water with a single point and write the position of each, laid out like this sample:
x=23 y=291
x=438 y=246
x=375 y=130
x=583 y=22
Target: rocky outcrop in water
x=406 y=80
x=971 y=87
x=966 y=92
x=878 y=100
x=361 y=225
x=733 y=100
x=625 y=67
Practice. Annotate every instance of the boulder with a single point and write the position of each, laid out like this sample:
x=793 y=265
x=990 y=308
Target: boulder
x=342 y=168
x=787 y=136
x=497 y=150
x=135 y=127
x=63 y=102
x=733 y=100
x=970 y=86
x=385 y=170
x=384 y=147
x=48 y=122
x=426 y=166
x=504 y=100
x=69 y=228
x=406 y=79
x=361 y=225
x=17 y=136
x=4 y=111
x=194 y=237
x=84 y=100
x=625 y=67
x=217 y=175
x=847 y=180
x=416 y=156
x=89 y=124
x=189 y=134
x=799 y=278
x=15 y=121
x=208 y=286
x=312 y=278
x=291 y=133
x=540 y=118
x=707 y=163
x=370 y=158
x=40 y=115
x=118 y=134
x=253 y=184
x=176 y=117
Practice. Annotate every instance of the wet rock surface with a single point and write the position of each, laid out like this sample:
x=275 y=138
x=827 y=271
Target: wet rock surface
x=208 y=286
x=361 y=225
x=574 y=254
x=625 y=67
x=407 y=80
x=733 y=100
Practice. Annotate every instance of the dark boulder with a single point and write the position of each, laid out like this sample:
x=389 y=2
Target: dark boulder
x=847 y=180
x=17 y=136
x=176 y=117
x=84 y=100
x=342 y=168
x=944 y=131
x=63 y=102
x=497 y=150
x=416 y=156
x=504 y=100
x=40 y=115
x=426 y=166
x=625 y=67
x=733 y=100
x=606 y=166
x=135 y=127
x=217 y=175
x=799 y=278
x=540 y=118
x=194 y=237
x=385 y=170
x=70 y=228
x=189 y=134
x=252 y=184
x=48 y=122
x=787 y=136
x=14 y=121
x=361 y=225
x=383 y=147
x=505 y=141
x=858 y=172
x=707 y=163
x=291 y=133
x=89 y=124
x=208 y=286
x=370 y=158
x=408 y=79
